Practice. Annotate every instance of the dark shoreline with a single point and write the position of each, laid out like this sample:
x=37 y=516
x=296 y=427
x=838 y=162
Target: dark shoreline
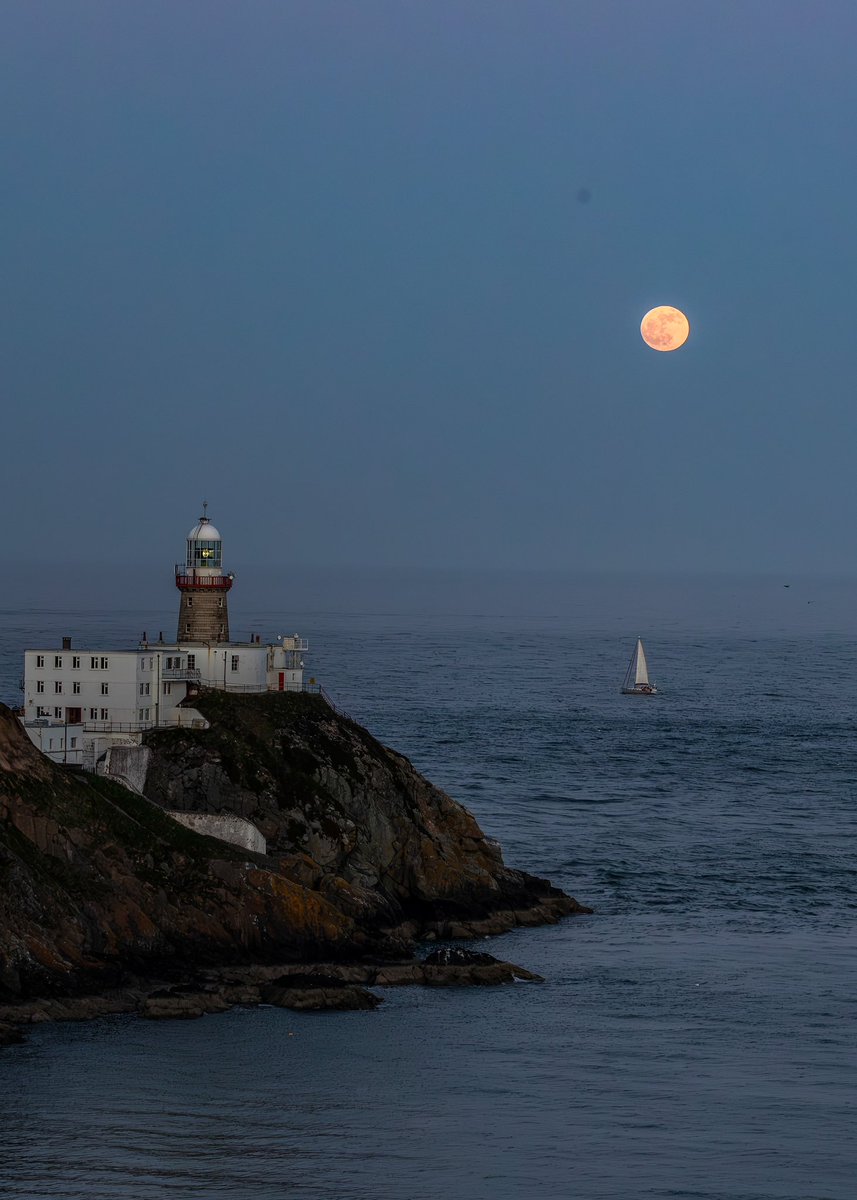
x=303 y=987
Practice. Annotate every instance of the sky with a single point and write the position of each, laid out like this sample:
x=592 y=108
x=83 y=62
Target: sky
x=369 y=276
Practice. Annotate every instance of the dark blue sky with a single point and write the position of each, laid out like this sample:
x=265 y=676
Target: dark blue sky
x=369 y=276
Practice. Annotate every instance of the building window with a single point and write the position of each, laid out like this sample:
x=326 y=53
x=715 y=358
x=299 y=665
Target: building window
x=147 y=714
x=58 y=686
x=151 y=663
x=40 y=685
x=189 y=601
x=220 y=602
x=147 y=689
x=168 y=687
x=105 y=663
x=139 y=714
x=191 y=662
x=51 y=744
x=105 y=688
x=93 y=714
x=75 y=662
x=41 y=711
x=75 y=687
x=73 y=743
x=234 y=662
x=93 y=663
x=58 y=661
x=142 y=664
x=40 y=660
x=105 y=715
x=187 y=628
x=58 y=713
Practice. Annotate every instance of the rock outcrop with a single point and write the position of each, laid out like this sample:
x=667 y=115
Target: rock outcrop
x=346 y=816
x=96 y=882
x=101 y=889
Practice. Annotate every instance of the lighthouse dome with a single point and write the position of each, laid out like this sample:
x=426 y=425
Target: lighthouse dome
x=204 y=531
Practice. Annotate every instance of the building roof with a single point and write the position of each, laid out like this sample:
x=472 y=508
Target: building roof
x=204 y=531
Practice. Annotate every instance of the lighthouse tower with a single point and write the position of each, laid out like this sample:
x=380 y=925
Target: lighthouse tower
x=203 y=613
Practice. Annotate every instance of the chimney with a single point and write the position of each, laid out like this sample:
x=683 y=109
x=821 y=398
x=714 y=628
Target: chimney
x=66 y=643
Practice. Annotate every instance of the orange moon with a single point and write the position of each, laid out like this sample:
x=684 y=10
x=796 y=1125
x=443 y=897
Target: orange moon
x=664 y=328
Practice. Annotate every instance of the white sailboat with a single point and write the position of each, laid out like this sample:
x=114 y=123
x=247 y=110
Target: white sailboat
x=637 y=676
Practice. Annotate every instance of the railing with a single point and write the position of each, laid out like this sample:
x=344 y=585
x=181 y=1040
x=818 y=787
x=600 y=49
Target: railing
x=175 y=719
x=328 y=699
x=183 y=580
x=116 y=726
x=219 y=686
x=171 y=674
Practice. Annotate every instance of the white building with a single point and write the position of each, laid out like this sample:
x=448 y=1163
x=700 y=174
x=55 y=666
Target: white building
x=80 y=702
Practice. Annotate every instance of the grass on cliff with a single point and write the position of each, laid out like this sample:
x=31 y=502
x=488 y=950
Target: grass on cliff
x=272 y=738
x=107 y=814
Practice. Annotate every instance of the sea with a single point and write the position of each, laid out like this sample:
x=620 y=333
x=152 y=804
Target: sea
x=694 y=1038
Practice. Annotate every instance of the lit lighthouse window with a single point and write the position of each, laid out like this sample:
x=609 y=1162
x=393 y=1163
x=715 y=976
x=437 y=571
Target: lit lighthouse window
x=204 y=554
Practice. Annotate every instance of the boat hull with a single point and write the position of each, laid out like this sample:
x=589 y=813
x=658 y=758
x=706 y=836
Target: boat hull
x=640 y=691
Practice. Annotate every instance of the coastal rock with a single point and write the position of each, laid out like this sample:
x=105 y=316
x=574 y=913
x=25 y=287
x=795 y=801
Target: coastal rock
x=324 y=986
x=347 y=817
x=316 y=992
x=459 y=967
x=183 y=1003
x=100 y=888
x=97 y=882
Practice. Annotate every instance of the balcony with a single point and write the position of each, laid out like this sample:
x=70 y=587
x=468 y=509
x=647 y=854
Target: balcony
x=220 y=582
x=173 y=674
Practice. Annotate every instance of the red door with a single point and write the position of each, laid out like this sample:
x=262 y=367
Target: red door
x=282 y=681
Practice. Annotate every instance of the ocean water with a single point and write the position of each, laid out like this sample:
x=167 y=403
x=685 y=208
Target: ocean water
x=694 y=1038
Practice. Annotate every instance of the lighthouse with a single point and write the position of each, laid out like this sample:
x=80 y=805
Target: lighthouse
x=203 y=611
x=80 y=702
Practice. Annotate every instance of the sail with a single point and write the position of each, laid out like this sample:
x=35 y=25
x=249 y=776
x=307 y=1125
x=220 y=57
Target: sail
x=642 y=672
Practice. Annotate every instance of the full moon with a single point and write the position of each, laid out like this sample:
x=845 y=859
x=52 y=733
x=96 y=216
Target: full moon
x=664 y=328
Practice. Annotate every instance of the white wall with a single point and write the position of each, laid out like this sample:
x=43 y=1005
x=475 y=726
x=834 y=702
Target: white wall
x=70 y=680
x=225 y=827
x=144 y=687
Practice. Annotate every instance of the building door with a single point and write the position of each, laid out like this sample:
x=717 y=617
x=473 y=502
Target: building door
x=73 y=716
x=282 y=681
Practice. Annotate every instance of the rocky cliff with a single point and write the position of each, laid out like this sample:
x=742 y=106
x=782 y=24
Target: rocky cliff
x=97 y=883
x=345 y=816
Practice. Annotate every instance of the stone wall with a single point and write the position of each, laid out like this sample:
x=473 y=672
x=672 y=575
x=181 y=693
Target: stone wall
x=127 y=765
x=224 y=826
x=203 y=615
